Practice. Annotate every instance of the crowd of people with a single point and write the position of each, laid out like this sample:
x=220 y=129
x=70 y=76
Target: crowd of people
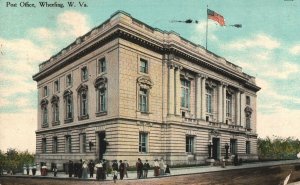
x=118 y=169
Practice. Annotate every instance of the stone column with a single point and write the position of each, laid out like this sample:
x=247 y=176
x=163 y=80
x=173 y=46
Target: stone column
x=238 y=108
x=171 y=84
x=224 y=103
x=220 y=102
x=198 y=106
x=243 y=106
x=177 y=90
x=203 y=97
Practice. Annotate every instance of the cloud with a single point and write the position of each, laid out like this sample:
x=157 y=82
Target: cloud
x=282 y=70
x=260 y=40
x=295 y=50
x=199 y=33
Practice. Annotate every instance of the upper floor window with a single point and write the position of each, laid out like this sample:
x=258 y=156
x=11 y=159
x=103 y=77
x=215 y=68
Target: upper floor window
x=54 y=145
x=101 y=88
x=44 y=109
x=56 y=85
x=143 y=100
x=68 y=99
x=55 y=109
x=208 y=94
x=248 y=100
x=45 y=91
x=185 y=93
x=189 y=144
x=68 y=80
x=84 y=74
x=248 y=122
x=228 y=105
x=101 y=65
x=143 y=142
x=83 y=103
x=143 y=66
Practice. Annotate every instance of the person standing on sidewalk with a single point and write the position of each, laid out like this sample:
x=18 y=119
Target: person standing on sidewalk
x=156 y=168
x=126 y=168
x=121 y=169
x=91 y=166
x=139 y=168
x=70 y=168
x=167 y=172
x=54 y=170
x=146 y=167
x=84 y=170
x=162 y=167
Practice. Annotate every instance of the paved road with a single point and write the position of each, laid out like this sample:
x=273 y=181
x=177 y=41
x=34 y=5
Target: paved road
x=272 y=173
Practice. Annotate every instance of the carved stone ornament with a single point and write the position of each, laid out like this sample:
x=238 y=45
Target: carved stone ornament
x=44 y=102
x=54 y=99
x=248 y=111
x=68 y=92
x=82 y=87
x=215 y=132
x=230 y=91
x=210 y=84
x=144 y=82
x=100 y=82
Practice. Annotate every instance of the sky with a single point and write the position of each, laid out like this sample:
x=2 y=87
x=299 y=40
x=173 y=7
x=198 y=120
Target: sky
x=266 y=47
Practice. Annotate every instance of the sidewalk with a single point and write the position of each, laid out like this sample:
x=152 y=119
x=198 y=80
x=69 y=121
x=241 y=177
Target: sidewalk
x=180 y=171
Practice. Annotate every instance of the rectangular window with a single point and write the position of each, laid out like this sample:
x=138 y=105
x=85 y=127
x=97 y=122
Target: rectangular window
x=45 y=115
x=143 y=66
x=143 y=101
x=209 y=100
x=143 y=142
x=83 y=143
x=248 y=123
x=101 y=65
x=44 y=143
x=54 y=145
x=69 y=80
x=56 y=86
x=45 y=93
x=68 y=144
x=228 y=105
x=247 y=147
x=55 y=112
x=84 y=104
x=185 y=93
x=102 y=100
x=248 y=100
x=84 y=74
x=69 y=108
x=233 y=146
x=189 y=144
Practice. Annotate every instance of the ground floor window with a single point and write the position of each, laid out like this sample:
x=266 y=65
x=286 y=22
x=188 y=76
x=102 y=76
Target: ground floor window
x=143 y=142
x=68 y=144
x=54 y=145
x=233 y=149
x=44 y=144
x=247 y=147
x=83 y=143
x=189 y=147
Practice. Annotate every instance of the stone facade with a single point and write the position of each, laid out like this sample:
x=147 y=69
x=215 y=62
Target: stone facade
x=162 y=97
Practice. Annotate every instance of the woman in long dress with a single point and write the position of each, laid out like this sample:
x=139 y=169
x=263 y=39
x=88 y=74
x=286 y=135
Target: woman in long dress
x=84 y=170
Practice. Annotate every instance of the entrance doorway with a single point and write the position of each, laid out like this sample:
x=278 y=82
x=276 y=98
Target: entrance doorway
x=216 y=147
x=101 y=144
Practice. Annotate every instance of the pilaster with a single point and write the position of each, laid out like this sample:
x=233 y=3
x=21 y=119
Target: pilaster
x=198 y=106
x=171 y=83
x=220 y=102
x=177 y=90
x=238 y=108
x=203 y=98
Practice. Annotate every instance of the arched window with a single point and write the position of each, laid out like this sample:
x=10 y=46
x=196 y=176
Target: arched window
x=44 y=108
x=83 y=101
x=101 y=91
x=144 y=85
x=68 y=100
x=55 y=110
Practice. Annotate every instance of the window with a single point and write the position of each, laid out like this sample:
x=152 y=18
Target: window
x=228 y=105
x=55 y=112
x=248 y=100
x=143 y=142
x=54 y=145
x=83 y=103
x=143 y=100
x=248 y=123
x=82 y=143
x=233 y=145
x=247 y=147
x=45 y=93
x=185 y=93
x=101 y=65
x=56 y=86
x=189 y=146
x=143 y=66
x=102 y=100
x=44 y=143
x=69 y=80
x=208 y=100
x=68 y=144
x=45 y=115
x=84 y=74
x=68 y=100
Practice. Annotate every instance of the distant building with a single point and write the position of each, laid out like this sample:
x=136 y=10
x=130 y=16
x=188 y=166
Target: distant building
x=126 y=90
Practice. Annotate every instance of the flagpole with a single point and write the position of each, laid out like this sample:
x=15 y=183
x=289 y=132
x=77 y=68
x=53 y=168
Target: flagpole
x=206 y=25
